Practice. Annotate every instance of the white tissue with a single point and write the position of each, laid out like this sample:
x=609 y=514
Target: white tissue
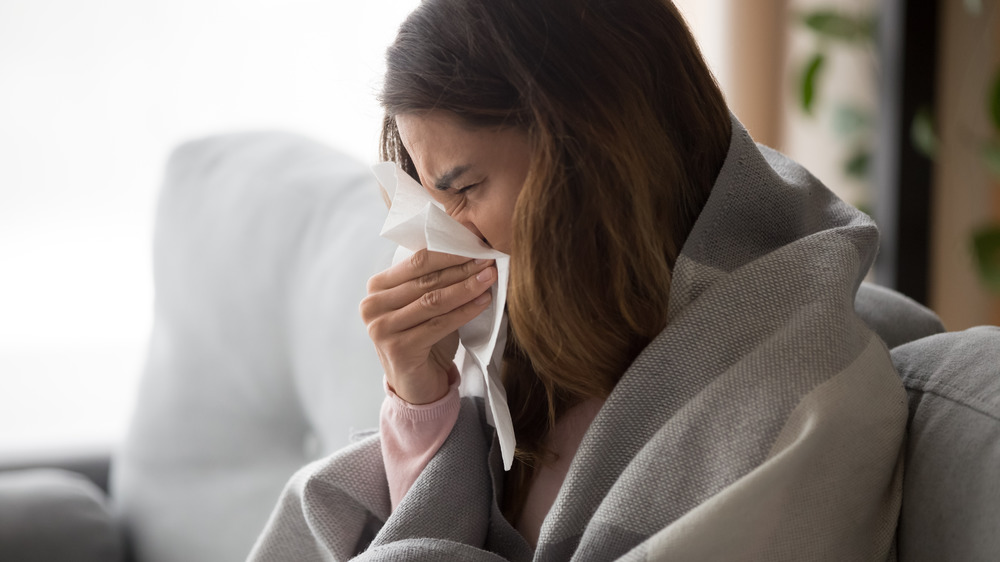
x=416 y=221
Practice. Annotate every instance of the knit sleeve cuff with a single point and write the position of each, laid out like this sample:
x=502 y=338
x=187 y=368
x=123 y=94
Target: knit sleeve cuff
x=444 y=407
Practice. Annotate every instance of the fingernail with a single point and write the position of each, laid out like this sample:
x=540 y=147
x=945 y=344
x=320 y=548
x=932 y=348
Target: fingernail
x=485 y=274
x=480 y=262
x=483 y=298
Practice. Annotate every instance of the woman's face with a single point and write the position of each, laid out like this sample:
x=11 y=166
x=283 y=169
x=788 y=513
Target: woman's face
x=476 y=173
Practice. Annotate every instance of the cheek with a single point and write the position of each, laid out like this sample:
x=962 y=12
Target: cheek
x=497 y=224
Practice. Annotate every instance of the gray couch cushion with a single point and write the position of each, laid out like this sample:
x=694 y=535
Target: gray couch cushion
x=48 y=515
x=896 y=318
x=951 y=486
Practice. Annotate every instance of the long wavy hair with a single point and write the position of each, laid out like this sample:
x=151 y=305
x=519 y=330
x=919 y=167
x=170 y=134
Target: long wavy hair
x=628 y=130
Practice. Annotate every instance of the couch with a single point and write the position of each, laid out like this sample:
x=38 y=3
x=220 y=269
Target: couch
x=258 y=363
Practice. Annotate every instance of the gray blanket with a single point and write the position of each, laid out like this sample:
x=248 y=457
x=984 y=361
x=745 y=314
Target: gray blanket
x=764 y=423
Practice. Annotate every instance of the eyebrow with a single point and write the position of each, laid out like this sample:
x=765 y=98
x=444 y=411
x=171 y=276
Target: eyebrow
x=444 y=182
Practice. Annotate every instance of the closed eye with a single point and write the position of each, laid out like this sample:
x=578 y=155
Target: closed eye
x=467 y=188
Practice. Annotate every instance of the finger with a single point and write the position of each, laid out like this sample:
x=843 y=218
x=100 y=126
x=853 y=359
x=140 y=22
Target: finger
x=441 y=301
x=419 y=264
x=400 y=296
x=426 y=334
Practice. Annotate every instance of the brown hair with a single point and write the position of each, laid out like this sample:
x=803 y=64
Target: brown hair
x=628 y=131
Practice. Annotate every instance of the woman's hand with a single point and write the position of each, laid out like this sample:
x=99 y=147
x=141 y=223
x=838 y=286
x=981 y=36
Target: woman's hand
x=413 y=312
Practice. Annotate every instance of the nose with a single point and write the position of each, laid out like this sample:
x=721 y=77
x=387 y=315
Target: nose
x=472 y=228
x=462 y=215
x=465 y=220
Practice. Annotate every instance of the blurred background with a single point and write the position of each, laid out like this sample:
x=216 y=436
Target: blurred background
x=897 y=112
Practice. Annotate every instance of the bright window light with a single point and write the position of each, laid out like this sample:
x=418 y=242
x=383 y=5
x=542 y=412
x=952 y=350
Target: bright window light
x=93 y=96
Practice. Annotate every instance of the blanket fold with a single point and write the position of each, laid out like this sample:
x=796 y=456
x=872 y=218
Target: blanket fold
x=765 y=421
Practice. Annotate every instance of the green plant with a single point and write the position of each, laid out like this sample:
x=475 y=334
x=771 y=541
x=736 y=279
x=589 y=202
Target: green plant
x=855 y=125
x=986 y=239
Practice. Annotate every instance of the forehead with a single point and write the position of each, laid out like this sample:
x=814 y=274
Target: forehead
x=443 y=146
x=435 y=136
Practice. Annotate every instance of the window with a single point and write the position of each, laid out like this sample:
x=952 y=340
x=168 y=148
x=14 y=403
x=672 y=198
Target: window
x=94 y=96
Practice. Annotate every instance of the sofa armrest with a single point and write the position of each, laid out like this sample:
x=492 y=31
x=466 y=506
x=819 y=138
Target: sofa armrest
x=951 y=489
x=93 y=464
x=896 y=318
x=50 y=514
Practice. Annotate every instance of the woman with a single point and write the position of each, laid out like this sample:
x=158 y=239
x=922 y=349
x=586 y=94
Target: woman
x=686 y=375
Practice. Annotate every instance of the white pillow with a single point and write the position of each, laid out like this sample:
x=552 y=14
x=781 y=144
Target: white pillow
x=258 y=362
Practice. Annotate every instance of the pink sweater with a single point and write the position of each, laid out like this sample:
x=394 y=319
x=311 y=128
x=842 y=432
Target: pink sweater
x=411 y=435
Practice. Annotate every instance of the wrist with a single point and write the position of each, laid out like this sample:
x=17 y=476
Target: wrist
x=421 y=393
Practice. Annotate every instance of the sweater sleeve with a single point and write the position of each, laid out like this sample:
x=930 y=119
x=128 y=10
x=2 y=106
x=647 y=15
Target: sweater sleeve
x=412 y=434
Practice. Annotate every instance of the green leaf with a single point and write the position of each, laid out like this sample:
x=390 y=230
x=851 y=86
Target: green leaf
x=869 y=29
x=836 y=25
x=922 y=134
x=809 y=78
x=991 y=157
x=850 y=120
x=858 y=164
x=994 y=101
x=986 y=250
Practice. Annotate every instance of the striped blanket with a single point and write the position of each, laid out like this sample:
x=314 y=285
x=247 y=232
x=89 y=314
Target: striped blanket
x=765 y=422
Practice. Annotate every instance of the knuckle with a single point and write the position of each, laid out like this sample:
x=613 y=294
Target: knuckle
x=373 y=283
x=430 y=299
x=430 y=280
x=419 y=259
x=364 y=309
x=376 y=330
x=436 y=323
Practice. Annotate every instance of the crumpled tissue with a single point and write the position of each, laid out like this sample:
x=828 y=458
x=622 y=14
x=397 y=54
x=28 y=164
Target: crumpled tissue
x=417 y=221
